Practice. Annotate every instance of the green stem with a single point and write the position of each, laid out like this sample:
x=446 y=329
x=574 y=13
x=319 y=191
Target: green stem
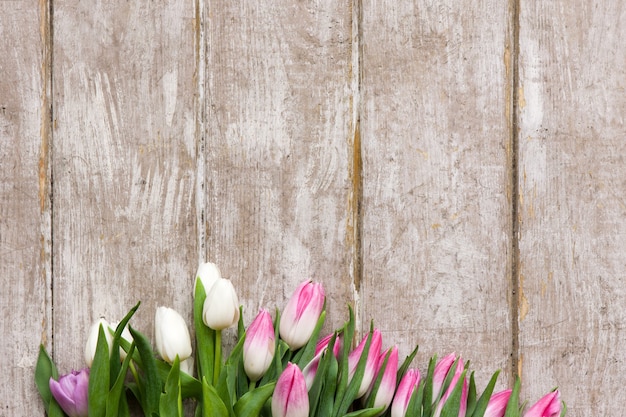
x=251 y=386
x=218 y=357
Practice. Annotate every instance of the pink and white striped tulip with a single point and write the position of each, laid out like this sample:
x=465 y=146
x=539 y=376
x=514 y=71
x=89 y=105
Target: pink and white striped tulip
x=408 y=384
x=464 y=392
x=497 y=404
x=548 y=406
x=323 y=344
x=259 y=346
x=70 y=392
x=300 y=316
x=371 y=363
x=387 y=386
x=441 y=371
x=290 y=397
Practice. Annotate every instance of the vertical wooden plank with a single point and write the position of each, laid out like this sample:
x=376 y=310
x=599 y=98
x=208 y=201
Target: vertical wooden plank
x=278 y=146
x=572 y=205
x=436 y=177
x=25 y=201
x=124 y=164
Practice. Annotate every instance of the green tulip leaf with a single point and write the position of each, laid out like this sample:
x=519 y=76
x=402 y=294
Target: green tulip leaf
x=366 y=412
x=212 y=404
x=321 y=376
x=453 y=403
x=342 y=405
x=347 y=333
x=377 y=381
x=152 y=389
x=512 y=408
x=171 y=402
x=99 y=377
x=44 y=370
x=113 y=403
x=205 y=336
x=327 y=398
x=117 y=335
x=251 y=403
x=428 y=386
x=414 y=408
x=405 y=365
x=483 y=401
x=190 y=386
x=471 y=396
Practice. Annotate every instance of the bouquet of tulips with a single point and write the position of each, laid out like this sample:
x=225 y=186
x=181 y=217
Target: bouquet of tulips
x=278 y=368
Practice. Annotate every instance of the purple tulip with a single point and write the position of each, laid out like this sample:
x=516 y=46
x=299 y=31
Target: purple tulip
x=455 y=379
x=408 y=385
x=548 y=406
x=497 y=404
x=70 y=392
x=370 y=364
x=300 y=316
x=290 y=397
x=387 y=386
x=259 y=346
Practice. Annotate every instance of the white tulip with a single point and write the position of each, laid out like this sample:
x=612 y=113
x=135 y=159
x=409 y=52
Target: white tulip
x=171 y=334
x=221 y=307
x=92 y=339
x=125 y=335
x=209 y=274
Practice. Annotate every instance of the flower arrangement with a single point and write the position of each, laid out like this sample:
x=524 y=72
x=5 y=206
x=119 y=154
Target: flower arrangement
x=278 y=368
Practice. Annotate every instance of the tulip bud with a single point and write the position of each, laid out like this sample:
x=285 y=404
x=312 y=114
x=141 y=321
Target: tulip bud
x=387 y=386
x=171 y=334
x=92 y=339
x=497 y=404
x=408 y=385
x=221 y=307
x=323 y=344
x=290 y=397
x=455 y=379
x=370 y=364
x=300 y=316
x=548 y=406
x=441 y=371
x=259 y=346
x=310 y=370
x=208 y=273
x=70 y=392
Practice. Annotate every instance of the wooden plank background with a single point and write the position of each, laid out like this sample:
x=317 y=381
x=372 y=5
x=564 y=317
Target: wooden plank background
x=454 y=170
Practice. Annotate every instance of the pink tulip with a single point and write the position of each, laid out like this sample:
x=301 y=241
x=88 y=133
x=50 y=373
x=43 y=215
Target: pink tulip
x=548 y=406
x=310 y=370
x=455 y=379
x=387 y=386
x=323 y=344
x=497 y=404
x=370 y=364
x=441 y=371
x=259 y=346
x=290 y=397
x=300 y=316
x=70 y=392
x=408 y=385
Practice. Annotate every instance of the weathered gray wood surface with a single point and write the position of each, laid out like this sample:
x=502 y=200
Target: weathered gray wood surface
x=370 y=145
x=572 y=183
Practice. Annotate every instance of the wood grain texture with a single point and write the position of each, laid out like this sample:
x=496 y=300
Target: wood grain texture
x=278 y=149
x=124 y=164
x=572 y=104
x=25 y=202
x=436 y=209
